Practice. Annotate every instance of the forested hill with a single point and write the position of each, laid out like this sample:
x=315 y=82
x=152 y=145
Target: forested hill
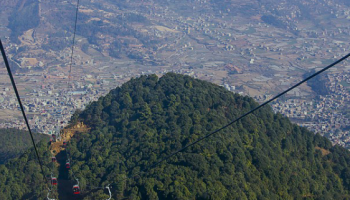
x=21 y=177
x=263 y=156
x=15 y=142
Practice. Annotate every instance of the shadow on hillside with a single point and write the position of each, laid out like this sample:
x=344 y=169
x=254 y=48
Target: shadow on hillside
x=65 y=184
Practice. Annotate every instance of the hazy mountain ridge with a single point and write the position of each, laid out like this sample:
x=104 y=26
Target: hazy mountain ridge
x=108 y=29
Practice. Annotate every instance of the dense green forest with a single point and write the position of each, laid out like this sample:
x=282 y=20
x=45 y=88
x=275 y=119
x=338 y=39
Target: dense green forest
x=15 y=142
x=21 y=178
x=263 y=156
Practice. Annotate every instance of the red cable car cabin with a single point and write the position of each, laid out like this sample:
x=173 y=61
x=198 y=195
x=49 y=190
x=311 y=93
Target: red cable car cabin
x=54 y=181
x=53 y=159
x=67 y=165
x=64 y=143
x=76 y=189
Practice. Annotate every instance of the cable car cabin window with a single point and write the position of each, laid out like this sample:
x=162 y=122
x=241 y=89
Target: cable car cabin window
x=76 y=189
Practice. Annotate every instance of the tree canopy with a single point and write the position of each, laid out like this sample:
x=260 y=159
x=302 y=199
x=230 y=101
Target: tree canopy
x=263 y=156
x=15 y=142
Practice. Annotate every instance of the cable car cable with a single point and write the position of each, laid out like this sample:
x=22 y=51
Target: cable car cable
x=242 y=116
x=73 y=43
x=70 y=70
x=20 y=104
x=18 y=97
x=239 y=118
x=71 y=163
x=69 y=77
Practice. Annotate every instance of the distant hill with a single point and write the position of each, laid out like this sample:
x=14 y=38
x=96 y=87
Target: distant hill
x=15 y=142
x=54 y=21
x=18 y=20
x=263 y=156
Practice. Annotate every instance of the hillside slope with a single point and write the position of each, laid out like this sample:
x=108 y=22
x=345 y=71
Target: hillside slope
x=15 y=142
x=263 y=156
x=21 y=178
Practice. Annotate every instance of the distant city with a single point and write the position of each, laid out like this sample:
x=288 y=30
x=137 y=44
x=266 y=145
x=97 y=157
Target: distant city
x=254 y=49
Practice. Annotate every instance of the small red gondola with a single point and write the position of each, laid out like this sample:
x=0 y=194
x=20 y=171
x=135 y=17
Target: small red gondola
x=76 y=189
x=64 y=143
x=53 y=159
x=54 y=181
x=67 y=165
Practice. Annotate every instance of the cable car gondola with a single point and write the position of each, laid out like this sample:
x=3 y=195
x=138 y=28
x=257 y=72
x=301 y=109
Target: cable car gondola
x=53 y=159
x=64 y=143
x=67 y=164
x=53 y=180
x=76 y=189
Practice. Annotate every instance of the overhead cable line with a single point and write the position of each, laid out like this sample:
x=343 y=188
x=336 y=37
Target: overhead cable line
x=69 y=78
x=20 y=104
x=73 y=43
x=71 y=163
x=239 y=118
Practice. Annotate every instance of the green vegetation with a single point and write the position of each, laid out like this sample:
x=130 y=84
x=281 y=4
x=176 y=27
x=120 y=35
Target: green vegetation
x=263 y=156
x=21 y=178
x=15 y=142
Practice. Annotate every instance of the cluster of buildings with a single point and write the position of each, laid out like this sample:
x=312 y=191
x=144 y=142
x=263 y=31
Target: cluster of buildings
x=328 y=115
x=46 y=110
x=243 y=54
x=49 y=104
